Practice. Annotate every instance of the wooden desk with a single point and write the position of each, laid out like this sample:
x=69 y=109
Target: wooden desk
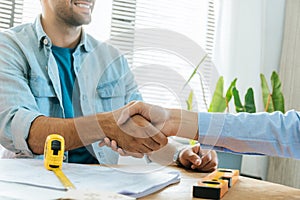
x=245 y=188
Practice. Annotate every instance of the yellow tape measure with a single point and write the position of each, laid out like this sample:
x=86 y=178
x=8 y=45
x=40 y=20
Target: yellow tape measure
x=53 y=158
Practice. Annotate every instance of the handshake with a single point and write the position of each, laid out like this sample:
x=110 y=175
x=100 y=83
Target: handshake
x=140 y=128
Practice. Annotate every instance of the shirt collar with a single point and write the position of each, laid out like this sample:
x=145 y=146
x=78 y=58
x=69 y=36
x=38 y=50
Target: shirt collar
x=44 y=40
x=83 y=44
x=41 y=35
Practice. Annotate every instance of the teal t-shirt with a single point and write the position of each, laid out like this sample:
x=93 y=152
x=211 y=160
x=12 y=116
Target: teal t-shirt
x=64 y=60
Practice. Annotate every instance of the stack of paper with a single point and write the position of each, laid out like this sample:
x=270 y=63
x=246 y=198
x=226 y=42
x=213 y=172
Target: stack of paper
x=85 y=177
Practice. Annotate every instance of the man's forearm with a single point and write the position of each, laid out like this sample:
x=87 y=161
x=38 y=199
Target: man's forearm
x=137 y=136
x=77 y=132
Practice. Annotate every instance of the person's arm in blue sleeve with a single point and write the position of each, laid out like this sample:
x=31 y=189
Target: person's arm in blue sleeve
x=274 y=134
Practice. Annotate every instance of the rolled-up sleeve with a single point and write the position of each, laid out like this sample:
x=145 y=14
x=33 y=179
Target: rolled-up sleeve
x=17 y=104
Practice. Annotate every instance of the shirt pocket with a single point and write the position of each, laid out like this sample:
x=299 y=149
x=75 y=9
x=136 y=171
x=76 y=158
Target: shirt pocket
x=45 y=96
x=112 y=94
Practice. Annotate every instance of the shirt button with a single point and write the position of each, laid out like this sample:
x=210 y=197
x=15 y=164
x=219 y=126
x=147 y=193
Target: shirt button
x=83 y=97
x=45 y=41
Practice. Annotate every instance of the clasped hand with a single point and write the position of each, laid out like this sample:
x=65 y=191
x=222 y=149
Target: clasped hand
x=145 y=129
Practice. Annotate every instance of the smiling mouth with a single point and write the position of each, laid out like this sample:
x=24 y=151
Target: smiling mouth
x=84 y=4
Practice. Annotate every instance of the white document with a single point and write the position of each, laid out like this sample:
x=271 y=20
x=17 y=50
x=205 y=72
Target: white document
x=32 y=173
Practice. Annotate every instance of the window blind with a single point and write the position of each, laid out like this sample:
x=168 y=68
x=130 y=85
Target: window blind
x=152 y=35
x=14 y=12
x=10 y=13
x=123 y=25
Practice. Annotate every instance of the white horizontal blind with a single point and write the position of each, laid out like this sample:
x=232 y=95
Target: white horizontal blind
x=123 y=25
x=10 y=13
x=15 y=12
x=153 y=34
x=209 y=71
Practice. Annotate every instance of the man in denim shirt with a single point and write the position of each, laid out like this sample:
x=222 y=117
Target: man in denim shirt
x=52 y=74
x=55 y=78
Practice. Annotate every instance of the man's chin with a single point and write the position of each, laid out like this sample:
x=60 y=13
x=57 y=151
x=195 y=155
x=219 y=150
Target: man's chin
x=82 y=23
x=87 y=22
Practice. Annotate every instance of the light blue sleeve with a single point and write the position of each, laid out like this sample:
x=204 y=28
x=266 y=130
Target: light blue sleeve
x=274 y=134
x=18 y=106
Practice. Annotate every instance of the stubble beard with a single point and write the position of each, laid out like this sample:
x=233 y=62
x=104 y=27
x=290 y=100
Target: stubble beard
x=70 y=18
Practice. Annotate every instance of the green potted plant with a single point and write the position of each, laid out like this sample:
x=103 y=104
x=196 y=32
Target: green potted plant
x=273 y=100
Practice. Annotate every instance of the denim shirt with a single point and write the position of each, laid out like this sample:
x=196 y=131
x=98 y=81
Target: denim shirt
x=30 y=84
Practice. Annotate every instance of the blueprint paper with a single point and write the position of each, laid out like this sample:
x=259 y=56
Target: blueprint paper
x=32 y=173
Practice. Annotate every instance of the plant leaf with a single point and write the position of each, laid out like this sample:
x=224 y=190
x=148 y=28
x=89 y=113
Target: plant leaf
x=195 y=71
x=277 y=96
x=229 y=92
x=268 y=104
x=237 y=101
x=218 y=102
x=189 y=101
x=249 y=101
